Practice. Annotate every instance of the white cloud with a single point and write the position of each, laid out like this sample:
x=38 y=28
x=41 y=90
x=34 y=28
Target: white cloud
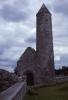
x=57 y=58
x=10 y=69
x=60 y=50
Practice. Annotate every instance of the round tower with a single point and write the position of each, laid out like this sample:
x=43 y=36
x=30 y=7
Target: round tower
x=44 y=41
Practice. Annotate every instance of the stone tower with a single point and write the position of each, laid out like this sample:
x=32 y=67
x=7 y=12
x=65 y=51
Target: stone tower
x=38 y=66
x=44 y=42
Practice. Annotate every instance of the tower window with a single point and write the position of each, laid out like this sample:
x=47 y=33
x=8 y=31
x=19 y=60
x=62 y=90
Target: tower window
x=46 y=20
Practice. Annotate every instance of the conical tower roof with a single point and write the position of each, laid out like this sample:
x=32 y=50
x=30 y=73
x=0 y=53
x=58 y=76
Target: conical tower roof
x=43 y=9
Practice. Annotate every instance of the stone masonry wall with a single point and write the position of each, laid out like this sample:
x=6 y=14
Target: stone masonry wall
x=16 y=92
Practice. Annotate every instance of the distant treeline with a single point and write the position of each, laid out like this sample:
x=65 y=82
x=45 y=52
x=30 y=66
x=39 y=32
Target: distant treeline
x=62 y=71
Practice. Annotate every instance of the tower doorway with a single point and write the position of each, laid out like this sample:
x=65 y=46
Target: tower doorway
x=29 y=78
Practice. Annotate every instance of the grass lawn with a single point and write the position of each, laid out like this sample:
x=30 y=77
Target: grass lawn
x=57 y=92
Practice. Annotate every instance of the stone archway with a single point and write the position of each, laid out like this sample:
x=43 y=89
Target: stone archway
x=29 y=78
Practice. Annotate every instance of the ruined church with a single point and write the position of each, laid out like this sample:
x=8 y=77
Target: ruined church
x=38 y=65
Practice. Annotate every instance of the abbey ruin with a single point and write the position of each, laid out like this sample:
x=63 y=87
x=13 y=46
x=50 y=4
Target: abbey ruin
x=38 y=66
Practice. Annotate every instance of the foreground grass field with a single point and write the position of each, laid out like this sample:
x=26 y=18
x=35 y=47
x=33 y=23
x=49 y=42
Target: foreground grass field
x=57 y=92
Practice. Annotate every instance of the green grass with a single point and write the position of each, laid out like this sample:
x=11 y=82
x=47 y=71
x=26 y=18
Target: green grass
x=57 y=92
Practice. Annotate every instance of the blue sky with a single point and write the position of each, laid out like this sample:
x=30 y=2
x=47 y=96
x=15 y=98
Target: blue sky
x=18 y=29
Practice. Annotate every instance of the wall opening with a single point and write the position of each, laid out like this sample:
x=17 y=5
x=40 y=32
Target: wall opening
x=29 y=78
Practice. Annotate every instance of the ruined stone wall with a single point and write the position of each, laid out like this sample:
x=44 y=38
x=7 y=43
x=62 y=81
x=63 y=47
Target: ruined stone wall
x=16 y=92
x=27 y=63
